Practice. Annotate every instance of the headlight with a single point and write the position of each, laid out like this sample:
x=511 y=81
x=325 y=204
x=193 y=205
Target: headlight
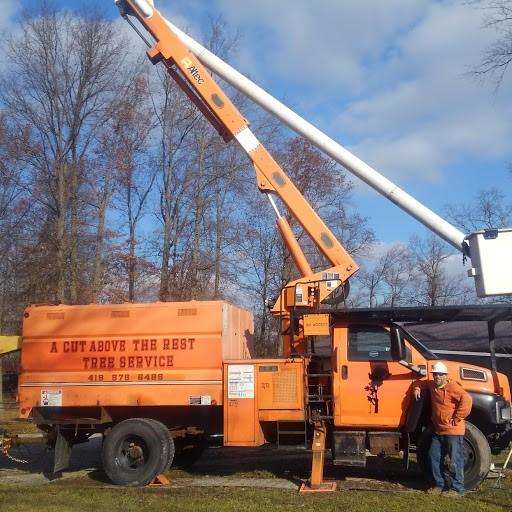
x=505 y=413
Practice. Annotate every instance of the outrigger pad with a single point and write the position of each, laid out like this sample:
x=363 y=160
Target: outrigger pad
x=305 y=488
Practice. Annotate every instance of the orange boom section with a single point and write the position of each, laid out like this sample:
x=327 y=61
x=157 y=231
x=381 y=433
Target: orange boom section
x=130 y=354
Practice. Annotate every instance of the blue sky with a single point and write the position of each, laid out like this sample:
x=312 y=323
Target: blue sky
x=386 y=79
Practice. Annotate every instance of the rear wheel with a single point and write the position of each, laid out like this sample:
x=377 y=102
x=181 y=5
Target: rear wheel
x=165 y=434
x=135 y=452
x=477 y=455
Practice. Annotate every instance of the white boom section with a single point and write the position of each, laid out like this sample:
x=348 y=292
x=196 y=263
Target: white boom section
x=351 y=162
x=490 y=251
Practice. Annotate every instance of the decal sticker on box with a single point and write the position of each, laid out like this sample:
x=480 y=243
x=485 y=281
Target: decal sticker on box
x=201 y=400
x=240 y=381
x=51 y=398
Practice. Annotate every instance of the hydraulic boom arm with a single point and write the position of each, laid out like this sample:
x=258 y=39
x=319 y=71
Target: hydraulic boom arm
x=490 y=251
x=190 y=74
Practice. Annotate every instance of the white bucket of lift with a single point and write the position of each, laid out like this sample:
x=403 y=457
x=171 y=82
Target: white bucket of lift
x=491 y=259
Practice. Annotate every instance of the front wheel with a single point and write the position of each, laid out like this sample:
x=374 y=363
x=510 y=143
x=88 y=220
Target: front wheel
x=477 y=455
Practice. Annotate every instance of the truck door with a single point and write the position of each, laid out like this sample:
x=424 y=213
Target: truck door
x=369 y=388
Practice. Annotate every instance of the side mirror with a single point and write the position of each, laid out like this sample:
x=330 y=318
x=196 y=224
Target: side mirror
x=401 y=353
x=397 y=344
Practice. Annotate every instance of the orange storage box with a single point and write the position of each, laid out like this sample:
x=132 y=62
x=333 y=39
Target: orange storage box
x=130 y=354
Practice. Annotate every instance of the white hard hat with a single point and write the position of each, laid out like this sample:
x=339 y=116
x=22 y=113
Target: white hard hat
x=439 y=367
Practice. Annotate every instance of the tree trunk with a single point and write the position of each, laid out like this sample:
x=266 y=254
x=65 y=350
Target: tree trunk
x=131 y=246
x=61 y=232
x=100 y=242
x=218 y=245
x=73 y=236
x=3 y=292
x=164 y=270
x=131 y=265
x=166 y=244
x=198 y=218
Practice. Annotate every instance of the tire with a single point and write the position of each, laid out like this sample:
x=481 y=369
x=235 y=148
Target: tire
x=135 y=452
x=477 y=455
x=165 y=434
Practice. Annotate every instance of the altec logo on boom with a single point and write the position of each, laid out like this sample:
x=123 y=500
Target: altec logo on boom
x=189 y=66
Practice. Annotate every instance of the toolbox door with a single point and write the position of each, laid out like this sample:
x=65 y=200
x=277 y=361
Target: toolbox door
x=241 y=423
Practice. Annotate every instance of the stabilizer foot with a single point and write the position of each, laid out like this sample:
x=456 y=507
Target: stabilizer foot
x=316 y=483
x=306 y=488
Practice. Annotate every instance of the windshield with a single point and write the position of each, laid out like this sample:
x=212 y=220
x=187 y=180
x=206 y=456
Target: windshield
x=418 y=345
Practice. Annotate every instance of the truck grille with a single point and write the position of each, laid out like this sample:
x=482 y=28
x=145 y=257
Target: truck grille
x=472 y=374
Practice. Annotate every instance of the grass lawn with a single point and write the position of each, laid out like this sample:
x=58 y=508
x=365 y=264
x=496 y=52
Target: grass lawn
x=9 y=421
x=58 y=498
x=86 y=494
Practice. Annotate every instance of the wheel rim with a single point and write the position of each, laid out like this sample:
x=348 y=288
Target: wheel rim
x=469 y=455
x=132 y=453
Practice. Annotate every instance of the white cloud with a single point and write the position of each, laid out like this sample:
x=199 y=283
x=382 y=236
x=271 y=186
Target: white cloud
x=379 y=248
x=188 y=16
x=433 y=114
x=7 y=10
x=389 y=77
x=322 y=43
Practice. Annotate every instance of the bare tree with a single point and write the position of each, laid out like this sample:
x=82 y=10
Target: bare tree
x=62 y=73
x=490 y=210
x=15 y=211
x=135 y=178
x=370 y=282
x=231 y=181
x=434 y=285
x=497 y=58
x=175 y=118
x=388 y=279
x=399 y=275
x=259 y=260
x=195 y=165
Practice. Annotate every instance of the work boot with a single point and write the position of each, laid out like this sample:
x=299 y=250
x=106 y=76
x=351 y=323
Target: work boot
x=434 y=490
x=453 y=494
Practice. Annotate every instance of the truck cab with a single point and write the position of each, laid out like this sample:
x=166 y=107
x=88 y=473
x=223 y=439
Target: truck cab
x=375 y=363
x=369 y=367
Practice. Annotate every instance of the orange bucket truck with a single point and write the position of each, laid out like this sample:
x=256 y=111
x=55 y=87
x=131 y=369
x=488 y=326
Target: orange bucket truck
x=158 y=380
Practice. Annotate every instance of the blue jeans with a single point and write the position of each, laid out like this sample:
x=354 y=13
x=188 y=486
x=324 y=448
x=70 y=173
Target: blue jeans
x=453 y=446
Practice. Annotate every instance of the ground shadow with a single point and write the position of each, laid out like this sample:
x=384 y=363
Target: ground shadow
x=291 y=464
x=295 y=465
x=40 y=459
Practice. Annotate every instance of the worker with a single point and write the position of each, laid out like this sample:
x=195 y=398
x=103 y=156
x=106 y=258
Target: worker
x=451 y=404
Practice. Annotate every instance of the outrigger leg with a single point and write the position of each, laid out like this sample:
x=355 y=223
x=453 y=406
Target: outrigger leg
x=316 y=482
